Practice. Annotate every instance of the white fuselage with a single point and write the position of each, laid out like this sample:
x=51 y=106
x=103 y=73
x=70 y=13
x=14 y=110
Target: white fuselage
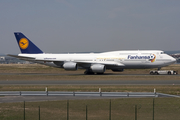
x=97 y=63
x=112 y=60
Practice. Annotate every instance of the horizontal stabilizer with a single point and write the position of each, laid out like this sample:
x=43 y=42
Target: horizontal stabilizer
x=21 y=57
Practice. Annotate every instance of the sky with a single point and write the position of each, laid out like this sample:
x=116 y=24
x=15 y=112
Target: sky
x=59 y=26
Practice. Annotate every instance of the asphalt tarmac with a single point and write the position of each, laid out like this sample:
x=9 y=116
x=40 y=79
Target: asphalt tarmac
x=77 y=74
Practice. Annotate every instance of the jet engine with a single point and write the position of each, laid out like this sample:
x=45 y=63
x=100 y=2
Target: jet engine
x=70 y=66
x=98 y=68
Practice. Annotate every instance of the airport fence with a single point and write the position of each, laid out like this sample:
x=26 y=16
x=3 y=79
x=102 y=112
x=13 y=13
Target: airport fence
x=98 y=109
x=90 y=94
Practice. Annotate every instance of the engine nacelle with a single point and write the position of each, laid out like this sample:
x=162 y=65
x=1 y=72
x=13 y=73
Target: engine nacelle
x=98 y=68
x=70 y=66
x=117 y=70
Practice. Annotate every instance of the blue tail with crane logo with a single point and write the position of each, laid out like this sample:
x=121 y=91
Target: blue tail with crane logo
x=25 y=45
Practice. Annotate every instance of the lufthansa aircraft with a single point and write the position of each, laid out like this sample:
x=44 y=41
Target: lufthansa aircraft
x=97 y=63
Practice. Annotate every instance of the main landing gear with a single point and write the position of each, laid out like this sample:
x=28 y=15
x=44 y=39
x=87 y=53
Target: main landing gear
x=90 y=72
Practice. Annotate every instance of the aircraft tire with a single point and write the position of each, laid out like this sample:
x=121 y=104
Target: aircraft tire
x=156 y=73
x=87 y=72
x=169 y=73
x=151 y=73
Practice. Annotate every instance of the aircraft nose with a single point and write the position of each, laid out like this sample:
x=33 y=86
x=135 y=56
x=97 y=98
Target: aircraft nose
x=173 y=59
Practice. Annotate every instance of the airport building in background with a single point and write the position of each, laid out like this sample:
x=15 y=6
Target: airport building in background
x=10 y=60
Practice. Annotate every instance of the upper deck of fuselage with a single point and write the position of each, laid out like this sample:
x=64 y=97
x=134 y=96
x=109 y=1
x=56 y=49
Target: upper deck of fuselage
x=123 y=52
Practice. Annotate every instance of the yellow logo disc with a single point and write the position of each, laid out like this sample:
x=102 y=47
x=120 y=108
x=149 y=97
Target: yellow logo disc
x=153 y=58
x=23 y=43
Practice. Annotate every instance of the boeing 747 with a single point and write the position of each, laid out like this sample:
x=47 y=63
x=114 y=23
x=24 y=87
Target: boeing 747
x=93 y=63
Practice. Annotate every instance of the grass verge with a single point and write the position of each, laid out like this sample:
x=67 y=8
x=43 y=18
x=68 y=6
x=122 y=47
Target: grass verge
x=121 y=109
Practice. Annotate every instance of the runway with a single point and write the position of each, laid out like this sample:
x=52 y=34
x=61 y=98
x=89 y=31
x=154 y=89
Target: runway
x=81 y=74
x=90 y=82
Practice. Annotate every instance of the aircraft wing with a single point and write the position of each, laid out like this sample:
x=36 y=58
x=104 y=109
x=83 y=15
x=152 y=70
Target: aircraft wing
x=103 y=63
x=78 y=62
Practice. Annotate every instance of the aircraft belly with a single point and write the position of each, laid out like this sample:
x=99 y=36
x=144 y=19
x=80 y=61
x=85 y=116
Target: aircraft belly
x=84 y=65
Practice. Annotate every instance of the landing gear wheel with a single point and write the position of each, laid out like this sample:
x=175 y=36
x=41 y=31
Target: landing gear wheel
x=156 y=73
x=88 y=72
x=169 y=73
x=151 y=73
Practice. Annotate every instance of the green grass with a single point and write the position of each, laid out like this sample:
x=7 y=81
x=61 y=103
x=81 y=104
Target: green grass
x=121 y=109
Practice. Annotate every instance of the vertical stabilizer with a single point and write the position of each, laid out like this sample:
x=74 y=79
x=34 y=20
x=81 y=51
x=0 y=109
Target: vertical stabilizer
x=25 y=45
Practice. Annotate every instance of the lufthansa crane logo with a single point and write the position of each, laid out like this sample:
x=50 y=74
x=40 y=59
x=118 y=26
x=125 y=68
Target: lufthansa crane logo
x=154 y=58
x=23 y=43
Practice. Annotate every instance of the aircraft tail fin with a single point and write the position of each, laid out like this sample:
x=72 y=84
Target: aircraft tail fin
x=25 y=45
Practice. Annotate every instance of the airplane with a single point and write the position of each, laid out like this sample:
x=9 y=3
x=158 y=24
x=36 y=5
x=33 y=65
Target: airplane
x=93 y=63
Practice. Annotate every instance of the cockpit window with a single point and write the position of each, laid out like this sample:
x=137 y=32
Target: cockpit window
x=162 y=52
